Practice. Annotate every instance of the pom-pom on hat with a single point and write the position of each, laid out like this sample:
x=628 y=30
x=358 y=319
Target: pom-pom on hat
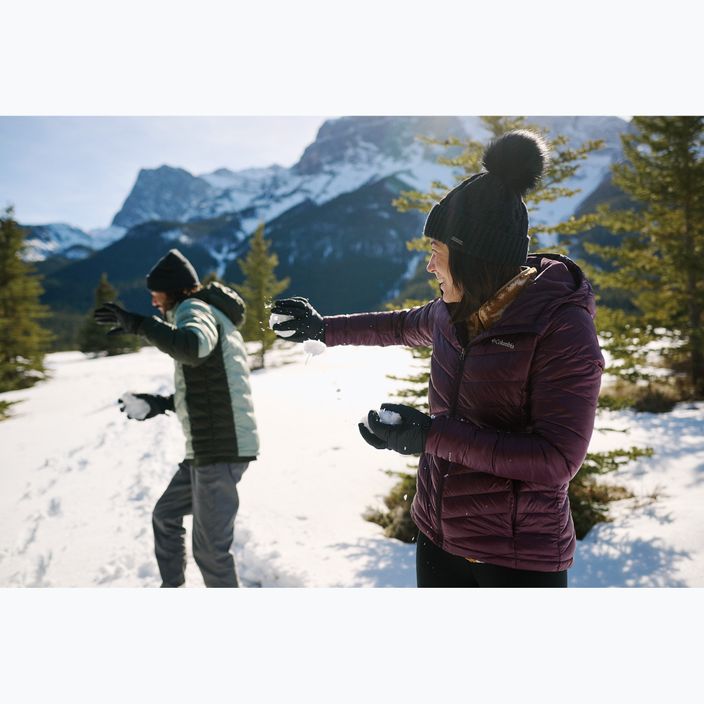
x=173 y=272
x=485 y=215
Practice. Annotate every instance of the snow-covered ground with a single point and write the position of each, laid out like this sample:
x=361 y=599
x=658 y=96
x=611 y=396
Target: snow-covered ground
x=80 y=480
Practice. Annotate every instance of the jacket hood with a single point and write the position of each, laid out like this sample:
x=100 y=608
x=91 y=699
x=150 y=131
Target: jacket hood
x=559 y=282
x=224 y=299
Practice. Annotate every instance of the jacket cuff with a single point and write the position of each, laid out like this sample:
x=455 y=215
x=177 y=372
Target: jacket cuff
x=455 y=440
x=434 y=436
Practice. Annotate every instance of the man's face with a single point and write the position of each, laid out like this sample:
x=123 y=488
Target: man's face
x=160 y=300
x=439 y=265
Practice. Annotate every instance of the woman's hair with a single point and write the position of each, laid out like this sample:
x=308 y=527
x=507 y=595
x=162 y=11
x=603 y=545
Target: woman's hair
x=478 y=279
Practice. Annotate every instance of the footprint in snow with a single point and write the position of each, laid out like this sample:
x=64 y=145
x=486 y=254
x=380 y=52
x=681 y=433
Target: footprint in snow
x=41 y=568
x=31 y=534
x=146 y=571
x=54 y=507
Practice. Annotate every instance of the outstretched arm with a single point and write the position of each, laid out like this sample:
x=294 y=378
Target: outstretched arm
x=412 y=328
x=192 y=336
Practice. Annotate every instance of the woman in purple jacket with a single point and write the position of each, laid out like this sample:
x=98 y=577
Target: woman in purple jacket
x=515 y=375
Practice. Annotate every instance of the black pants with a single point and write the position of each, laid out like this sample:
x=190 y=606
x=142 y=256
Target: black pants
x=210 y=494
x=437 y=568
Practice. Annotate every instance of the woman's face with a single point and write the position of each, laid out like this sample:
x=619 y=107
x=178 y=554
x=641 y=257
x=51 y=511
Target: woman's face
x=439 y=265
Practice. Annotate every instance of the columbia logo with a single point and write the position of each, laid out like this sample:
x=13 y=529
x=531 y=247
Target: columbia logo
x=503 y=343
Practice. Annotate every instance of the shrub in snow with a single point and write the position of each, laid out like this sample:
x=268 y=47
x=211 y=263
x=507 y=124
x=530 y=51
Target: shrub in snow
x=589 y=498
x=650 y=398
x=654 y=401
x=5 y=409
x=396 y=520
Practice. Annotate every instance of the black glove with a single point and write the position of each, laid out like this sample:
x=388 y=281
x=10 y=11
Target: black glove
x=408 y=438
x=307 y=322
x=157 y=405
x=372 y=439
x=112 y=314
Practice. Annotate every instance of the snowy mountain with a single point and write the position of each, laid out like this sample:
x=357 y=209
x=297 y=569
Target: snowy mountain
x=66 y=241
x=347 y=254
x=348 y=153
x=329 y=216
x=165 y=193
x=127 y=261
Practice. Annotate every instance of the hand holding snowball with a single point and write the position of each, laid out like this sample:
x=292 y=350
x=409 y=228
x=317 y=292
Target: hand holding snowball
x=144 y=406
x=400 y=428
x=302 y=321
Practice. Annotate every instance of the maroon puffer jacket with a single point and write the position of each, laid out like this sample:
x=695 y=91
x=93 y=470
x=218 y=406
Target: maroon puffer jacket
x=513 y=414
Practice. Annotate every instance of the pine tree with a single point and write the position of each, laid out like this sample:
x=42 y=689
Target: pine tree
x=23 y=342
x=259 y=288
x=93 y=338
x=657 y=265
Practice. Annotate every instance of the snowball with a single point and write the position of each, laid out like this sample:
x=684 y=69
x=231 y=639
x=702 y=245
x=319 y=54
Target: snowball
x=136 y=408
x=386 y=417
x=314 y=347
x=390 y=417
x=280 y=318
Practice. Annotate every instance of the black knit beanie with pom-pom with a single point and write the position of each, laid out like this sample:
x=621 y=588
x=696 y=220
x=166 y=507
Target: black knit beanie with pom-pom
x=485 y=216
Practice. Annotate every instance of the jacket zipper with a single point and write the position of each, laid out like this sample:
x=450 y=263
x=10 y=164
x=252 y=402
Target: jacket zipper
x=514 y=483
x=463 y=354
x=441 y=478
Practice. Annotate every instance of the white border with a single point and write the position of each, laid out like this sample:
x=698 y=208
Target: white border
x=153 y=57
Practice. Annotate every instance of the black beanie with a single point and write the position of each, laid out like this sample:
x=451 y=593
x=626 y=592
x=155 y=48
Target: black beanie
x=173 y=272
x=485 y=215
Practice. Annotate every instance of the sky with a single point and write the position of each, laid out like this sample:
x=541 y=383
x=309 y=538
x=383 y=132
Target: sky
x=79 y=170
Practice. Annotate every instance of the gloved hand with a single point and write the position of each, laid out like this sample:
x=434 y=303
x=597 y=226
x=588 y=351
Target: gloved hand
x=112 y=314
x=143 y=406
x=408 y=438
x=307 y=323
x=372 y=439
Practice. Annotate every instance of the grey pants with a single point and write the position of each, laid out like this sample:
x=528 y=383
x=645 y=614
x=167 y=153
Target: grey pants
x=209 y=493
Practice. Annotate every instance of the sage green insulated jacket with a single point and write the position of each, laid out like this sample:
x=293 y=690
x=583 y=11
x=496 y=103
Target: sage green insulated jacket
x=213 y=397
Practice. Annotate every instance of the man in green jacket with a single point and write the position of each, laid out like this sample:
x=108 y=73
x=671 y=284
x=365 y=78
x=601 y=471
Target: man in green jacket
x=213 y=401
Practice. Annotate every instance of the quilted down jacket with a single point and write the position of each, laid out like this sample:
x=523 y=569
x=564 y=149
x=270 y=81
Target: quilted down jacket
x=213 y=398
x=513 y=413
